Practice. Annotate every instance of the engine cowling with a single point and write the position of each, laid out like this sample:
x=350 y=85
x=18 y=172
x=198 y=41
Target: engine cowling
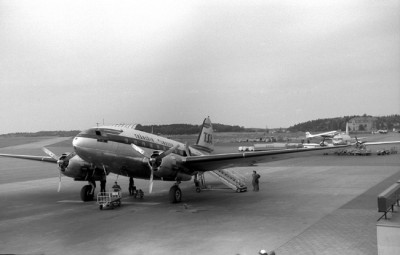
x=76 y=168
x=169 y=169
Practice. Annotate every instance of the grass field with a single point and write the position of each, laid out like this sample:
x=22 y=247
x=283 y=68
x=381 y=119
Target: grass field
x=13 y=141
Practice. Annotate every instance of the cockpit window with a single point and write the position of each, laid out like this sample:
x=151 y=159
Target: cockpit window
x=87 y=132
x=90 y=132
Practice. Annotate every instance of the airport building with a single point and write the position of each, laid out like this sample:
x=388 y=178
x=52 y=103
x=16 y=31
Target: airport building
x=363 y=123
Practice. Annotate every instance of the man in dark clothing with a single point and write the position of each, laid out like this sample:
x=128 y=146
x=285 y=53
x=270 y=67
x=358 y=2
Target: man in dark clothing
x=132 y=187
x=256 y=176
x=103 y=184
x=116 y=187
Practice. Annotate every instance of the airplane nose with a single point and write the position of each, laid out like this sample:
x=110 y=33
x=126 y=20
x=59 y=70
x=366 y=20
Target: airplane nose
x=76 y=142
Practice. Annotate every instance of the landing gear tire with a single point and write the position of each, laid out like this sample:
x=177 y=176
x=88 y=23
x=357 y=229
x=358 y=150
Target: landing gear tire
x=198 y=190
x=86 y=193
x=175 y=194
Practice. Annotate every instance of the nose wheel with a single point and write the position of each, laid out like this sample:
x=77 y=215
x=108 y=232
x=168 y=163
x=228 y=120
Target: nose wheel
x=175 y=194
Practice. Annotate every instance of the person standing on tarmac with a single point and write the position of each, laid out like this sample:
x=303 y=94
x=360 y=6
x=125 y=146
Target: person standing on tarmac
x=255 y=181
x=103 y=184
x=132 y=187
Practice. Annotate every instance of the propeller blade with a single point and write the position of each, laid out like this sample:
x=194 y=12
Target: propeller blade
x=187 y=149
x=138 y=149
x=59 y=182
x=51 y=154
x=151 y=182
x=167 y=152
x=69 y=156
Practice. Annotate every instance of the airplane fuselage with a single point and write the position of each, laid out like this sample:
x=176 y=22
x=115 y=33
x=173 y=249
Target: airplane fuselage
x=325 y=135
x=341 y=139
x=110 y=148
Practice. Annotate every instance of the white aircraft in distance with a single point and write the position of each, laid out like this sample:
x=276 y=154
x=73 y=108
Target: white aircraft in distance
x=380 y=131
x=123 y=150
x=325 y=135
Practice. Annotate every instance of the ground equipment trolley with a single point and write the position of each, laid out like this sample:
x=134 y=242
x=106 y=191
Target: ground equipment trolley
x=109 y=199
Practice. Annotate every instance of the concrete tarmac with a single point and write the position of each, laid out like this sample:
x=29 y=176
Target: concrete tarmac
x=310 y=205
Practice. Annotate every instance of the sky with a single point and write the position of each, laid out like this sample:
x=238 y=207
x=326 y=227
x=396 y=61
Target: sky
x=67 y=65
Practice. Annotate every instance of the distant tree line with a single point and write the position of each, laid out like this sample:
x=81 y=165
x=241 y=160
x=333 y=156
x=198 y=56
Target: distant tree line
x=186 y=129
x=388 y=122
x=319 y=125
x=339 y=123
x=171 y=129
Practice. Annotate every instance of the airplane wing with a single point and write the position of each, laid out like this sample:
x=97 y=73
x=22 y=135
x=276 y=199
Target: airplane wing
x=227 y=160
x=30 y=157
x=326 y=135
x=378 y=143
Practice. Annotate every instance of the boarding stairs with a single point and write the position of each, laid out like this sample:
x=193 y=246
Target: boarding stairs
x=233 y=180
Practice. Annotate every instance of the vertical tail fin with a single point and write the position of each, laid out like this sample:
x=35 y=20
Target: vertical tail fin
x=205 y=138
x=347 y=128
x=308 y=134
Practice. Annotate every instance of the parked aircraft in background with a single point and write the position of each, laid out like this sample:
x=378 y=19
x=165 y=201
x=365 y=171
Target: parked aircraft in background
x=344 y=138
x=341 y=139
x=380 y=131
x=123 y=150
x=325 y=135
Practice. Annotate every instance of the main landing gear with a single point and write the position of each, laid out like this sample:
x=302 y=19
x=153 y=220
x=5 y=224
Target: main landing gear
x=175 y=193
x=87 y=191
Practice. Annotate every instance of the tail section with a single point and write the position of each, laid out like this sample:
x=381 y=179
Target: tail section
x=308 y=135
x=347 y=128
x=205 y=138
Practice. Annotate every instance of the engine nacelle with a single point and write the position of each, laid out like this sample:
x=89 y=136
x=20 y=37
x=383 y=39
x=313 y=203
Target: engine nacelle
x=76 y=168
x=169 y=169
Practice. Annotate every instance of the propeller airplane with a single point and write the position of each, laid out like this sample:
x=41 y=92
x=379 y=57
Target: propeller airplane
x=126 y=151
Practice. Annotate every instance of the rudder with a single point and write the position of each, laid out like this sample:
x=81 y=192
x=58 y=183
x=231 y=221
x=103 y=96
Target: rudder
x=205 y=138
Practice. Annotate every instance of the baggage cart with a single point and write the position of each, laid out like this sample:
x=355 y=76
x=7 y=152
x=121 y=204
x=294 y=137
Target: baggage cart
x=109 y=199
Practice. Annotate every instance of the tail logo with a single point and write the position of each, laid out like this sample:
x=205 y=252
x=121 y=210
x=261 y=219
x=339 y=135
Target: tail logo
x=208 y=138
